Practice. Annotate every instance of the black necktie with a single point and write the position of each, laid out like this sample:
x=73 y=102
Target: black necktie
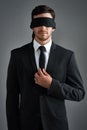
x=42 y=57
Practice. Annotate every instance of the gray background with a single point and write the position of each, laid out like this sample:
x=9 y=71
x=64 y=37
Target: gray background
x=71 y=32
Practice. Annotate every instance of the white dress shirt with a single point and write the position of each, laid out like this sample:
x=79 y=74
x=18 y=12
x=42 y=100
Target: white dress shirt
x=36 y=45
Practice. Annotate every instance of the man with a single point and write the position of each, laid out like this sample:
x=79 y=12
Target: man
x=39 y=80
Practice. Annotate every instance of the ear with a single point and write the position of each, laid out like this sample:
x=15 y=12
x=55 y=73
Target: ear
x=53 y=29
x=32 y=29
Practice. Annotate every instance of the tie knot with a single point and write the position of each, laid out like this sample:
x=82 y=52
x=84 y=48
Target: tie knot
x=42 y=48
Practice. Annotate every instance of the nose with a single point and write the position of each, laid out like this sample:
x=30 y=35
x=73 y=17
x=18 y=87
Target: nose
x=43 y=27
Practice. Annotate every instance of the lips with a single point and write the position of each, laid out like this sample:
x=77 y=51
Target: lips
x=41 y=32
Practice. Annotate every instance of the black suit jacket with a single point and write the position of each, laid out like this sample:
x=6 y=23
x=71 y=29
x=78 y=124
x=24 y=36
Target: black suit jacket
x=28 y=104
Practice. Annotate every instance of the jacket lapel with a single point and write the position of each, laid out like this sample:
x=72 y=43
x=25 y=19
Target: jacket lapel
x=32 y=57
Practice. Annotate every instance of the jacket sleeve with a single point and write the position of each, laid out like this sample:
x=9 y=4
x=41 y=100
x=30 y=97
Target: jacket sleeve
x=72 y=88
x=12 y=98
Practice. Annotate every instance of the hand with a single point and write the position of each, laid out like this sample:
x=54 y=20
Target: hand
x=42 y=78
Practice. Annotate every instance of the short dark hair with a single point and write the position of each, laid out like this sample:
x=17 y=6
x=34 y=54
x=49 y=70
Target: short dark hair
x=42 y=9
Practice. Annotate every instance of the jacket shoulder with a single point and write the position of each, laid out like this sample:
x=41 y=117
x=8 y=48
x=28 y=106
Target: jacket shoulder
x=62 y=50
x=21 y=50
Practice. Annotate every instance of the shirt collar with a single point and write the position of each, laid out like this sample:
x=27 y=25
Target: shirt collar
x=37 y=45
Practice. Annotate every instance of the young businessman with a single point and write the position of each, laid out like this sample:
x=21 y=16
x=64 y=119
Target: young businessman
x=41 y=75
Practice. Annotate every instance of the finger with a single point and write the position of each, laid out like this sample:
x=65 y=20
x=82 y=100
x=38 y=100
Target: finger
x=36 y=81
x=44 y=71
x=36 y=75
x=36 y=78
x=40 y=72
